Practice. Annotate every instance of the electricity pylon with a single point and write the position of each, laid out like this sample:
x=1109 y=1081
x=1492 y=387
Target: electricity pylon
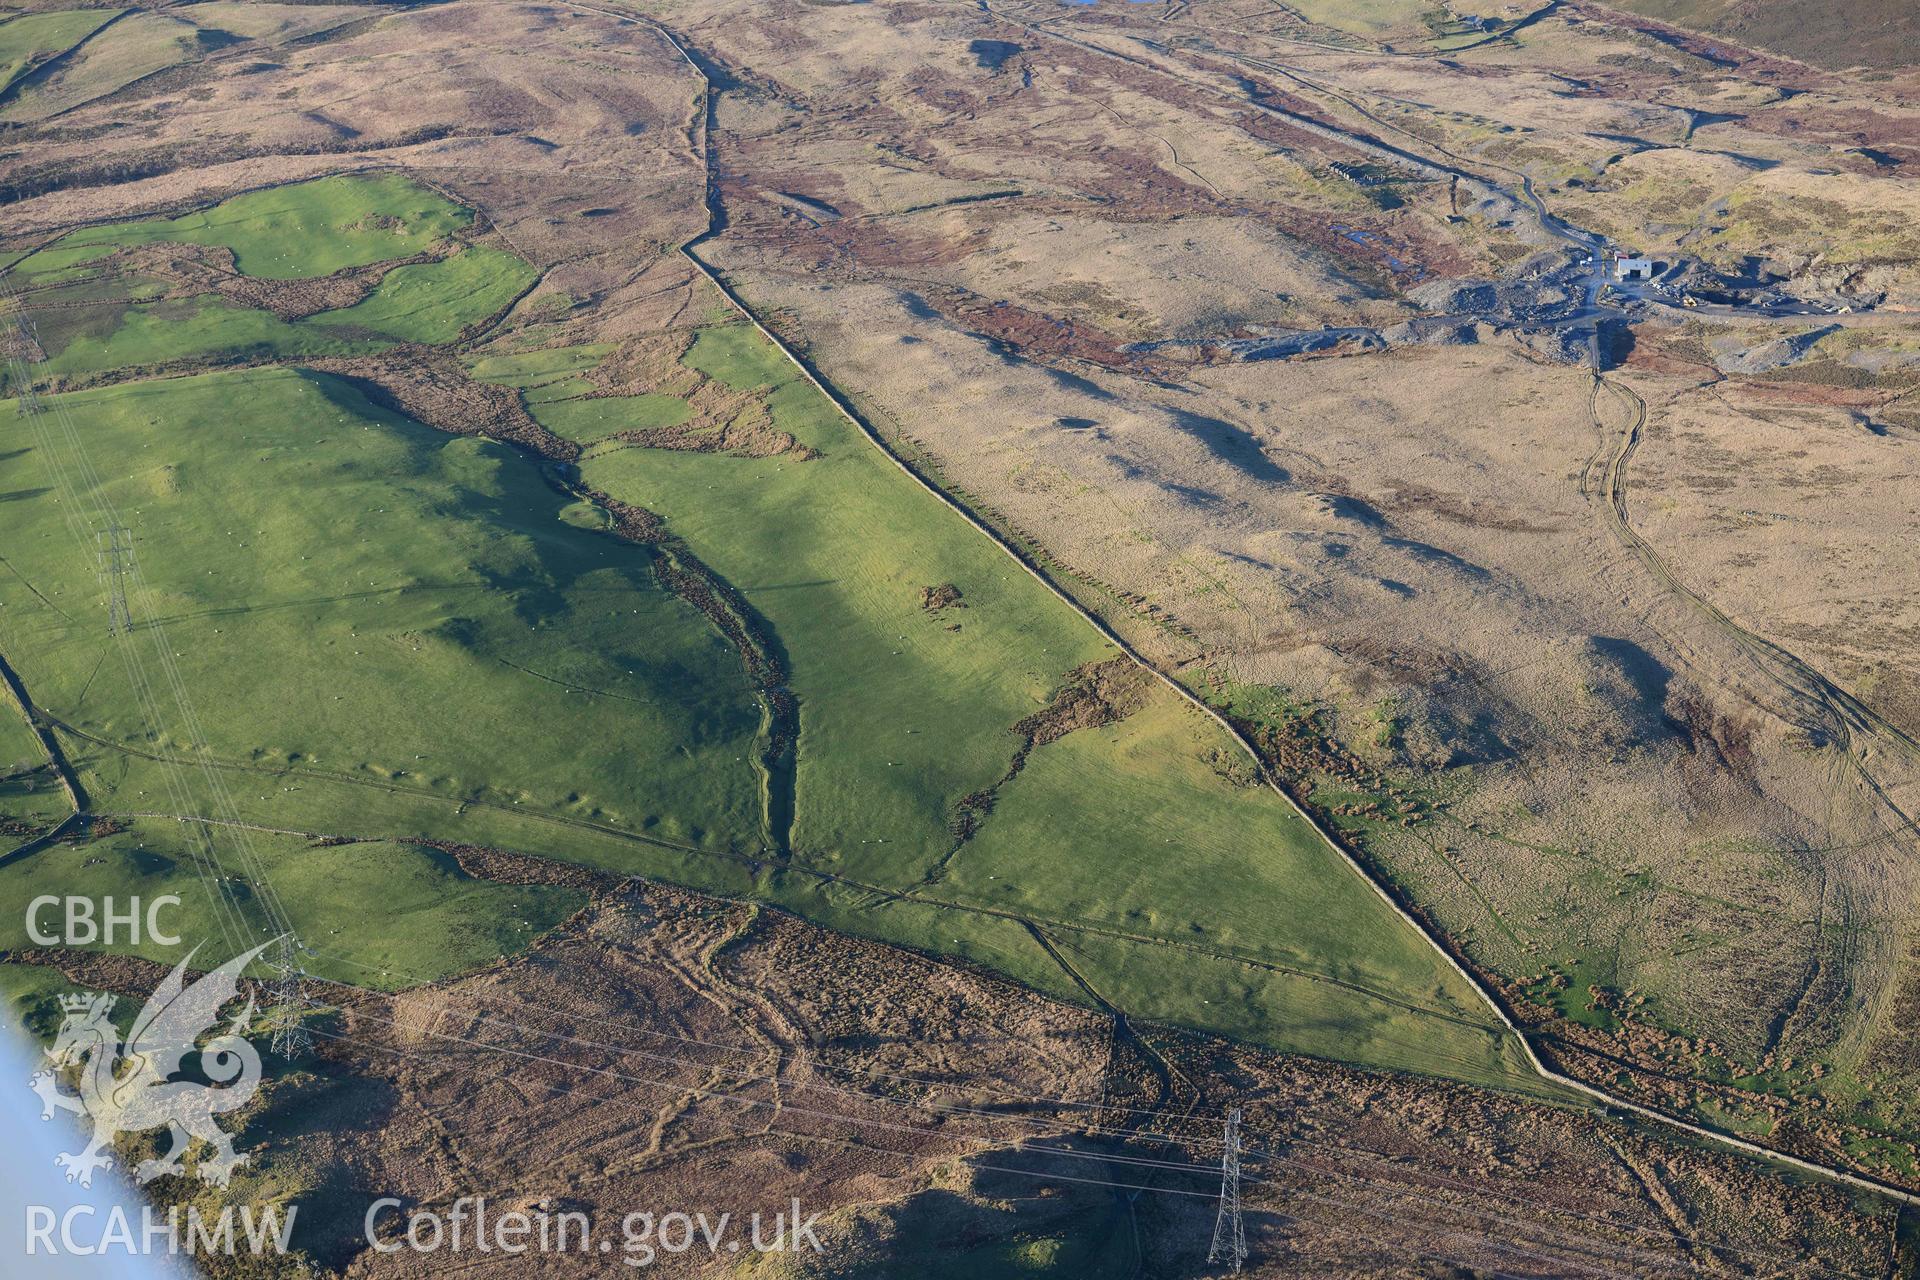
x=116 y=562
x=1229 y=1232
x=290 y=1035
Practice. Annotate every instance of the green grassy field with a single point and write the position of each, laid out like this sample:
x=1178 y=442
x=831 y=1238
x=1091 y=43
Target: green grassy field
x=105 y=321
x=1129 y=828
x=302 y=230
x=142 y=335
x=32 y=999
x=900 y=717
x=369 y=912
x=352 y=592
x=18 y=746
x=1363 y=17
x=29 y=805
x=135 y=46
x=28 y=38
x=1238 y=872
x=30 y=794
x=432 y=302
x=737 y=356
x=587 y=421
x=61 y=262
x=549 y=374
x=98 y=321
x=551 y=383
x=393 y=634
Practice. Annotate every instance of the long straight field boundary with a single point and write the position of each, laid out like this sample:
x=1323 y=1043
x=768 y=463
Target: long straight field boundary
x=752 y=862
x=1433 y=939
x=1311 y=983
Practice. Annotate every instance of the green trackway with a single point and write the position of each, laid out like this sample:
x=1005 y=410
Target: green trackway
x=312 y=553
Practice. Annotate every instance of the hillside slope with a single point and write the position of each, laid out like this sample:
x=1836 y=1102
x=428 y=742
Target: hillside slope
x=1851 y=33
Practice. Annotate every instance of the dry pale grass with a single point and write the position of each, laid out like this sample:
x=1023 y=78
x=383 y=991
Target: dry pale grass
x=1631 y=788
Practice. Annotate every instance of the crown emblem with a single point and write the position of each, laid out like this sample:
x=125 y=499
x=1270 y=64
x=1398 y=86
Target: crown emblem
x=127 y=1085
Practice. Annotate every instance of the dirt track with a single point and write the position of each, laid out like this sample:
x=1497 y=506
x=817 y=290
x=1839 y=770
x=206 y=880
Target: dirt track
x=1345 y=537
x=664 y=1047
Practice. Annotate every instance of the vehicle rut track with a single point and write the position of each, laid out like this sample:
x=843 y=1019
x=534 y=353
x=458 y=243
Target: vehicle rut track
x=704 y=107
x=1829 y=714
x=694 y=963
x=1441 y=943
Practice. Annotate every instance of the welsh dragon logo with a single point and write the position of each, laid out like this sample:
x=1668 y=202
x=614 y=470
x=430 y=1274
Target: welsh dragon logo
x=130 y=1089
